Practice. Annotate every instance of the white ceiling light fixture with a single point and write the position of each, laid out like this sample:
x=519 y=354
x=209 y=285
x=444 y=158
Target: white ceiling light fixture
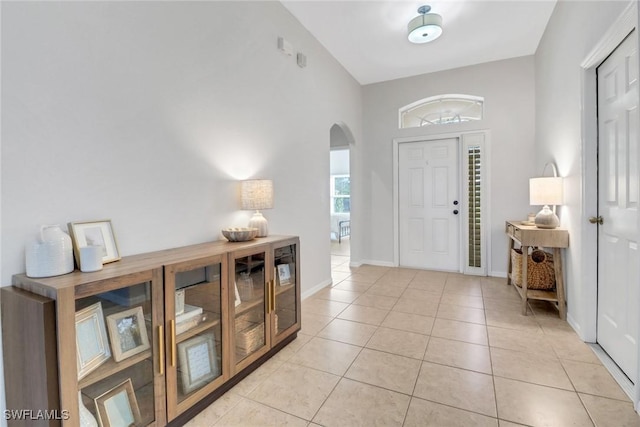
x=426 y=27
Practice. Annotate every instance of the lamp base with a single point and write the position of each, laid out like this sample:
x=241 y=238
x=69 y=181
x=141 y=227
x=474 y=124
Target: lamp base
x=259 y=222
x=546 y=218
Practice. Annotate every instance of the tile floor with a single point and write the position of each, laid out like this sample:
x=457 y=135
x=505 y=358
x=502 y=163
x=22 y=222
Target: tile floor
x=402 y=347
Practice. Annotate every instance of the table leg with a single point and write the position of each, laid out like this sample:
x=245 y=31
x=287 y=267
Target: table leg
x=509 y=266
x=557 y=267
x=525 y=257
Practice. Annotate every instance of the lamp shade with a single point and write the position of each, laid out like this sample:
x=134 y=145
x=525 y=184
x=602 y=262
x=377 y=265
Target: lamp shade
x=256 y=194
x=545 y=191
x=425 y=28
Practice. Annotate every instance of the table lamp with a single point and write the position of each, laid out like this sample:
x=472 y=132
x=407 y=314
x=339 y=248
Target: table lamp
x=257 y=194
x=546 y=191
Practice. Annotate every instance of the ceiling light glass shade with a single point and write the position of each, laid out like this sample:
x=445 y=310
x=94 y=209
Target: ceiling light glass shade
x=425 y=28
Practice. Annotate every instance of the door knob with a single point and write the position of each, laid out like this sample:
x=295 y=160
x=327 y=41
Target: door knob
x=455 y=202
x=455 y=211
x=596 y=220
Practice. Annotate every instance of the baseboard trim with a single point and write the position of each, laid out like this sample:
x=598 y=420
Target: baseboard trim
x=615 y=371
x=317 y=288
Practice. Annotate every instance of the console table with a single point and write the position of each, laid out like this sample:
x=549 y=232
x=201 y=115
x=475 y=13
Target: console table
x=531 y=236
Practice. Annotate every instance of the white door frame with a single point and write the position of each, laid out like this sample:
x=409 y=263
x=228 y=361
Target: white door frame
x=618 y=31
x=463 y=233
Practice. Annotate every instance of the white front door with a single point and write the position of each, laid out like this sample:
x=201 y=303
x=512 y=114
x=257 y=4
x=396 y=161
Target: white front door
x=618 y=181
x=429 y=205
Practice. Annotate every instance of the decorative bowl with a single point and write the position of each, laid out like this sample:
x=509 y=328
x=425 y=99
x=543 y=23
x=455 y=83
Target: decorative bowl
x=239 y=234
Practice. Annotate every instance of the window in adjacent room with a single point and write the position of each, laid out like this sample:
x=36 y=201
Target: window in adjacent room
x=340 y=194
x=441 y=109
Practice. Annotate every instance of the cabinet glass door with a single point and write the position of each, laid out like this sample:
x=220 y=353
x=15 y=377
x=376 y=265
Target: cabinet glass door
x=286 y=298
x=195 y=351
x=114 y=339
x=249 y=305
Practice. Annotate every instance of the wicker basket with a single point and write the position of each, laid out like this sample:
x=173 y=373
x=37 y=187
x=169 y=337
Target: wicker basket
x=540 y=271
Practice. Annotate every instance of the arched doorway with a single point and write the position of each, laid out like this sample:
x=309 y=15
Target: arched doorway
x=340 y=140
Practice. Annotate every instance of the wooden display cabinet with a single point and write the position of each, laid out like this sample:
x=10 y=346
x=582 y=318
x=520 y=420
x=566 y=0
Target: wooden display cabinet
x=160 y=331
x=265 y=309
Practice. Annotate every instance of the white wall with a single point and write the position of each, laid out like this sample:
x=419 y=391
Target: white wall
x=559 y=128
x=508 y=89
x=148 y=113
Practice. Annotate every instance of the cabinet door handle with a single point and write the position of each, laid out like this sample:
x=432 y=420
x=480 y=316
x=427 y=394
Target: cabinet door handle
x=172 y=332
x=273 y=295
x=161 y=349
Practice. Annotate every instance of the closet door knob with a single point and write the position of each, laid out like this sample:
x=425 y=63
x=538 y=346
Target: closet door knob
x=596 y=220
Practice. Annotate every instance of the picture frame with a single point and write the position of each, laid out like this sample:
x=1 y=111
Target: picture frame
x=284 y=274
x=118 y=407
x=198 y=364
x=127 y=333
x=94 y=233
x=92 y=345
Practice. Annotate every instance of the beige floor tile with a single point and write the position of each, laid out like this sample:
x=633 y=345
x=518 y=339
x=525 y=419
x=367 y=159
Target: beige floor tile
x=463 y=300
x=409 y=322
x=500 y=291
x=414 y=306
x=257 y=377
x=326 y=355
x=459 y=354
x=296 y=389
x=460 y=331
x=403 y=343
x=362 y=277
x=348 y=332
x=503 y=423
x=455 y=387
x=292 y=348
x=423 y=413
x=511 y=320
x=362 y=314
x=323 y=307
x=464 y=287
x=212 y=414
x=593 y=379
x=355 y=404
x=427 y=286
x=397 y=282
x=313 y=323
x=249 y=413
x=348 y=285
x=431 y=276
x=528 y=367
x=339 y=295
x=386 y=290
x=537 y=405
x=339 y=276
x=524 y=341
x=567 y=345
x=376 y=301
x=390 y=371
x=504 y=304
x=610 y=412
x=420 y=295
x=464 y=314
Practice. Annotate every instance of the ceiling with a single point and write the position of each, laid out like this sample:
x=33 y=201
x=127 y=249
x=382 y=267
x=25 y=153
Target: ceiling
x=369 y=38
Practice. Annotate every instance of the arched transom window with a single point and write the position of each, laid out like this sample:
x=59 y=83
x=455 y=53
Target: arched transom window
x=441 y=109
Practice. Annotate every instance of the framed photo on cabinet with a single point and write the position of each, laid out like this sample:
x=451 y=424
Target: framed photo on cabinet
x=118 y=406
x=94 y=233
x=284 y=274
x=128 y=333
x=91 y=339
x=198 y=363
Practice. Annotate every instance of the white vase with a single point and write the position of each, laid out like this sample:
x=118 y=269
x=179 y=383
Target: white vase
x=86 y=417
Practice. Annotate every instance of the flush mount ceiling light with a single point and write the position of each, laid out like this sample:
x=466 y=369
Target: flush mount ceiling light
x=426 y=27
